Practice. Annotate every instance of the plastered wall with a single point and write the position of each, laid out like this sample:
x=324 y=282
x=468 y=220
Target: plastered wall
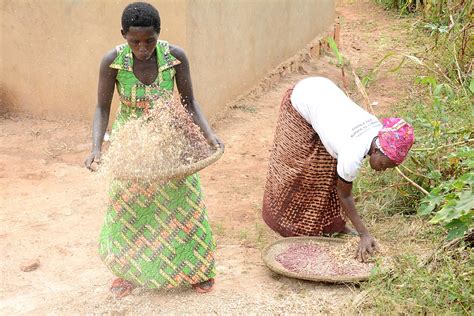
x=51 y=49
x=235 y=43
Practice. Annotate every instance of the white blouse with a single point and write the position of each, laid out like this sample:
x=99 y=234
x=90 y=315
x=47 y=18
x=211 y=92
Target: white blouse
x=345 y=129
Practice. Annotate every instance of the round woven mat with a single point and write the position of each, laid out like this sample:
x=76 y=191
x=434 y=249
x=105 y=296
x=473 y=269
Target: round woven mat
x=270 y=253
x=186 y=170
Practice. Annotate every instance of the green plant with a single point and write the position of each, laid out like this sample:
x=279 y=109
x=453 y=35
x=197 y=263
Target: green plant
x=449 y=25
x=366 y=79
x=454 y=198
x=403 y=6
x=443 y=166
x=332 y=44
x=441 y=113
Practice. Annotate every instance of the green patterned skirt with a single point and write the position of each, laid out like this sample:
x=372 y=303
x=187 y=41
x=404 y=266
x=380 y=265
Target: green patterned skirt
x=158 y=236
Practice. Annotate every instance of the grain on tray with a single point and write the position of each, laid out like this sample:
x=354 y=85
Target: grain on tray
x=148 y=147
x=321 y=259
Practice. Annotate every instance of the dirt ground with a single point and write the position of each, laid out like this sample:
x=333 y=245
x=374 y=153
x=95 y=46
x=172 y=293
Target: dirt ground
x=52 y=208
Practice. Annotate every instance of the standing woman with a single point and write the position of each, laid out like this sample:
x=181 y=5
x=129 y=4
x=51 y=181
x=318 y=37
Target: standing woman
x=154 y=235
x=321 y=139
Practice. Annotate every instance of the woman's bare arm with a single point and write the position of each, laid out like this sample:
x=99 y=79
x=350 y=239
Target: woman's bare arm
x=367 y=244
x=105 y=93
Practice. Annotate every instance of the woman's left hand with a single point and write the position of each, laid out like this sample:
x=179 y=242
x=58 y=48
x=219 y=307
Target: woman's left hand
x=216 y=142
x=367 y=247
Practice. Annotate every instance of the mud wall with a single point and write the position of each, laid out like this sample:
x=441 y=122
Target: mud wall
x=51 y=49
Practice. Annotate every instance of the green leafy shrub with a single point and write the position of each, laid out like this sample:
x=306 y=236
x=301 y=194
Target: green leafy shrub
x=445 y=163
x=454 y=199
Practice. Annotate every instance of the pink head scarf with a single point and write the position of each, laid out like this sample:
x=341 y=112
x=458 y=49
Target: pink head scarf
x=396 y=138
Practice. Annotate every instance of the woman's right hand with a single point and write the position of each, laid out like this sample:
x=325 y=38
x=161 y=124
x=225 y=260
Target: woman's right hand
x=367 y=247
x=94 y=156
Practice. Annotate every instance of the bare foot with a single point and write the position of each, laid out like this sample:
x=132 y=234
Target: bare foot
x=204 y=287
x=121 y=288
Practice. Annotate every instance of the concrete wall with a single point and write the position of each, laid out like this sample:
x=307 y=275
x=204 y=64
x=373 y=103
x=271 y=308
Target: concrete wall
x=51 y=49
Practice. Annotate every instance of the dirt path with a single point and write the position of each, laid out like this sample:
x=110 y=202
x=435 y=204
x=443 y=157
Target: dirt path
x=52 y=208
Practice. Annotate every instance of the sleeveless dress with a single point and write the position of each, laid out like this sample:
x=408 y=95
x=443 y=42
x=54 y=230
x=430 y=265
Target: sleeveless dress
x=154 y=235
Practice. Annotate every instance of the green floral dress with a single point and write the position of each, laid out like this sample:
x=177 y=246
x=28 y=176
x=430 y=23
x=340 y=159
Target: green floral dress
x=154 y=235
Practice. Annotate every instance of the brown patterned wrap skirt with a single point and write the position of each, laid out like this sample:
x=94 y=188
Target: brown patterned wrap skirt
x=300 y=196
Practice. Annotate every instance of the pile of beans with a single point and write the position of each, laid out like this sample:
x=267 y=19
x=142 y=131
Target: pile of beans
x=321 y=260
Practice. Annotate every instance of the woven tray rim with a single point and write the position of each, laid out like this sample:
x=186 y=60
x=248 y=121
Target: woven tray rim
x=185 y=170
x=275 y=267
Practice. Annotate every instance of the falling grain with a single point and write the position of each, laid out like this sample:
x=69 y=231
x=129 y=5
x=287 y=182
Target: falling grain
x=148 y=147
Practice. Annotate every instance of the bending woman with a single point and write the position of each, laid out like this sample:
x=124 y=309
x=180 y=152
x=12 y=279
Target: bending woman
x=321 y=139
x=154 y=235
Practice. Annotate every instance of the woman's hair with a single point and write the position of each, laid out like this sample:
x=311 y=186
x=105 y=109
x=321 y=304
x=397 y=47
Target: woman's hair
x=140 y=14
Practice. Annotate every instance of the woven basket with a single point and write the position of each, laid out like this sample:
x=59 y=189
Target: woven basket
x=185 y=170
x=190 y=169
x=274 y=249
